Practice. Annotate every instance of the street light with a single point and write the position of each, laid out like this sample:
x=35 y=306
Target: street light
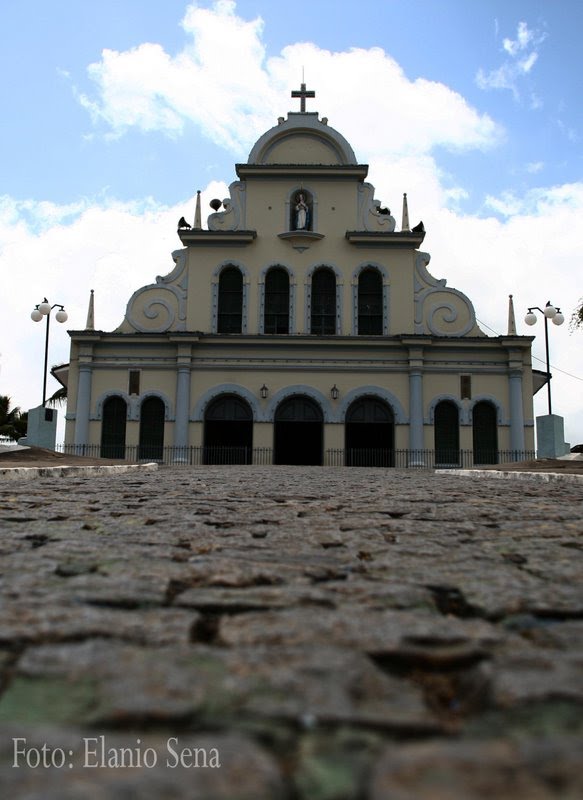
x=549 y=312
x=44 y=310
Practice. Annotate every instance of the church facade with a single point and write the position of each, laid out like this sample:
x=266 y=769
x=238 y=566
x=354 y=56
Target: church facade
x=300 y=327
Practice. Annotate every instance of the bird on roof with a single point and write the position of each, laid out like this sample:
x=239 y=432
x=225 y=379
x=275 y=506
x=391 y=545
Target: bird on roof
x=182 y=223
x=420 y=228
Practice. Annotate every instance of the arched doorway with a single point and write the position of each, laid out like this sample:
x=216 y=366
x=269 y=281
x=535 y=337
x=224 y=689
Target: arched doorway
x=228 y=431
x=298 y=432
x=152 y=414
x=446 y=433
x=369 y=434
x=113 y=428
x=485 y=433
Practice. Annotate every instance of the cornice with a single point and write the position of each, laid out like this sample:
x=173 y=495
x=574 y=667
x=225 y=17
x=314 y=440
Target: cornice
x=190 y=237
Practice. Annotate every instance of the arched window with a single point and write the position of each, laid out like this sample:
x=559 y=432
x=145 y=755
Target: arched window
x=485 y=433
x=323 y=302
x=113 y=427
x=370 y=303
x=228 y=431
x=447 y=433
x=230 y=308
x=152 y=413
x=276 y=319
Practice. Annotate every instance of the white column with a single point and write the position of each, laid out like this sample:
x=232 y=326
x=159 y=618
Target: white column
x=416 y=410
x=516 y=410
x=83 y=405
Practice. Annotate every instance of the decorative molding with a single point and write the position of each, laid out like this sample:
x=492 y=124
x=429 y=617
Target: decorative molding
x=168 y=412
x=488 y=398
x=211 y=394
x=132 y=403
x=296 y=391
x=463 y=407
x=401 y=417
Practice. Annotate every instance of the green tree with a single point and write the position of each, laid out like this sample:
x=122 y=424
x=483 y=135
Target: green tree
x=12 y=422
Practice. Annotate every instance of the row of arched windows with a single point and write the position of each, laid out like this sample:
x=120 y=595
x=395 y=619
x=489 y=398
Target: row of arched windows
x=298 y=431
x=323 y=302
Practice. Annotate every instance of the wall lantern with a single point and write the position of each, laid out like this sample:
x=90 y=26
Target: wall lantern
x=264 y=391
x=334 y=392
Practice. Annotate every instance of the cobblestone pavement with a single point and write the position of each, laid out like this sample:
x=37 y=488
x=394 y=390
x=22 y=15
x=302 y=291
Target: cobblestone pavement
x=291 y=633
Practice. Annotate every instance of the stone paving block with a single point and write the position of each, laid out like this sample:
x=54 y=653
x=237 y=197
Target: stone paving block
x=505 y=770
x=356 y=634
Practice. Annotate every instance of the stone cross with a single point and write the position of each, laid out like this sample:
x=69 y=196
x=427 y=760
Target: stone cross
x=303 y=93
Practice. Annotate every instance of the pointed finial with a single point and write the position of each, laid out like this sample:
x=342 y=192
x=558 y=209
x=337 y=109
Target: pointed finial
x=197 y=215
x=405 y=223
x=90 y=324
x=511 y=318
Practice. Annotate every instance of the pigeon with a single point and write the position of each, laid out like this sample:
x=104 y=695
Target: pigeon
x=383 y=210
x=182 y=223
x=418 y=228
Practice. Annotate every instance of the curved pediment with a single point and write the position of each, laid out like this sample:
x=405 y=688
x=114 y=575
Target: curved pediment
x=302 y=139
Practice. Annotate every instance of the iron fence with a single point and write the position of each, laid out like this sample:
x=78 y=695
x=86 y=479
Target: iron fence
x=335 y=457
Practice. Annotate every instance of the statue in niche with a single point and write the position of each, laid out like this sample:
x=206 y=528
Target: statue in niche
x=301 y=213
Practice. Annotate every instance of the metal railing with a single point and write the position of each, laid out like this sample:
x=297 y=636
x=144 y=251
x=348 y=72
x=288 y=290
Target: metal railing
x=335 y=457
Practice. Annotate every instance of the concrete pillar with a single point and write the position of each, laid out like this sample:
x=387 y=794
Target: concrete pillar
x=516 y=411
x=416 y=410
x=83 y=405
x=182 y=407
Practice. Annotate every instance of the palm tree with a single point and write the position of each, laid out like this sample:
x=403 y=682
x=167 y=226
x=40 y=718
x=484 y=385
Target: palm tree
x=13 y=423
x=577 y=316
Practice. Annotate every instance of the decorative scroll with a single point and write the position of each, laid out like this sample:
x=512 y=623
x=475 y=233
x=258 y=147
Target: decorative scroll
x=370 y=215
x=161 y=306
x=439 y=310
x=233 y=217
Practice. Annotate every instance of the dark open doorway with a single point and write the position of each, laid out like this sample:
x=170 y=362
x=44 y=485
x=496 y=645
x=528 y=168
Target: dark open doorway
x=228 y=431
x=298 y=432
x=152 y=415
x=369 y=434
x=113 y=428
x=485 y=433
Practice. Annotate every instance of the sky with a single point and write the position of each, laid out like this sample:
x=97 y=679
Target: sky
x=113 y=115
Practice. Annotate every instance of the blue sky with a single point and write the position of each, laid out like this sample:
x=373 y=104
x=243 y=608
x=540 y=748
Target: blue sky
x=114 y=114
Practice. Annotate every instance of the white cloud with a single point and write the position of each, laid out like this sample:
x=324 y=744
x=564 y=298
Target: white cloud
x=223 y=82
x=522 y=55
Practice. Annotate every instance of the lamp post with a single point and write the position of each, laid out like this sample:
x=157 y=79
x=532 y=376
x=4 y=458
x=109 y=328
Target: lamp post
x=549 y=312
x=44 y=310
